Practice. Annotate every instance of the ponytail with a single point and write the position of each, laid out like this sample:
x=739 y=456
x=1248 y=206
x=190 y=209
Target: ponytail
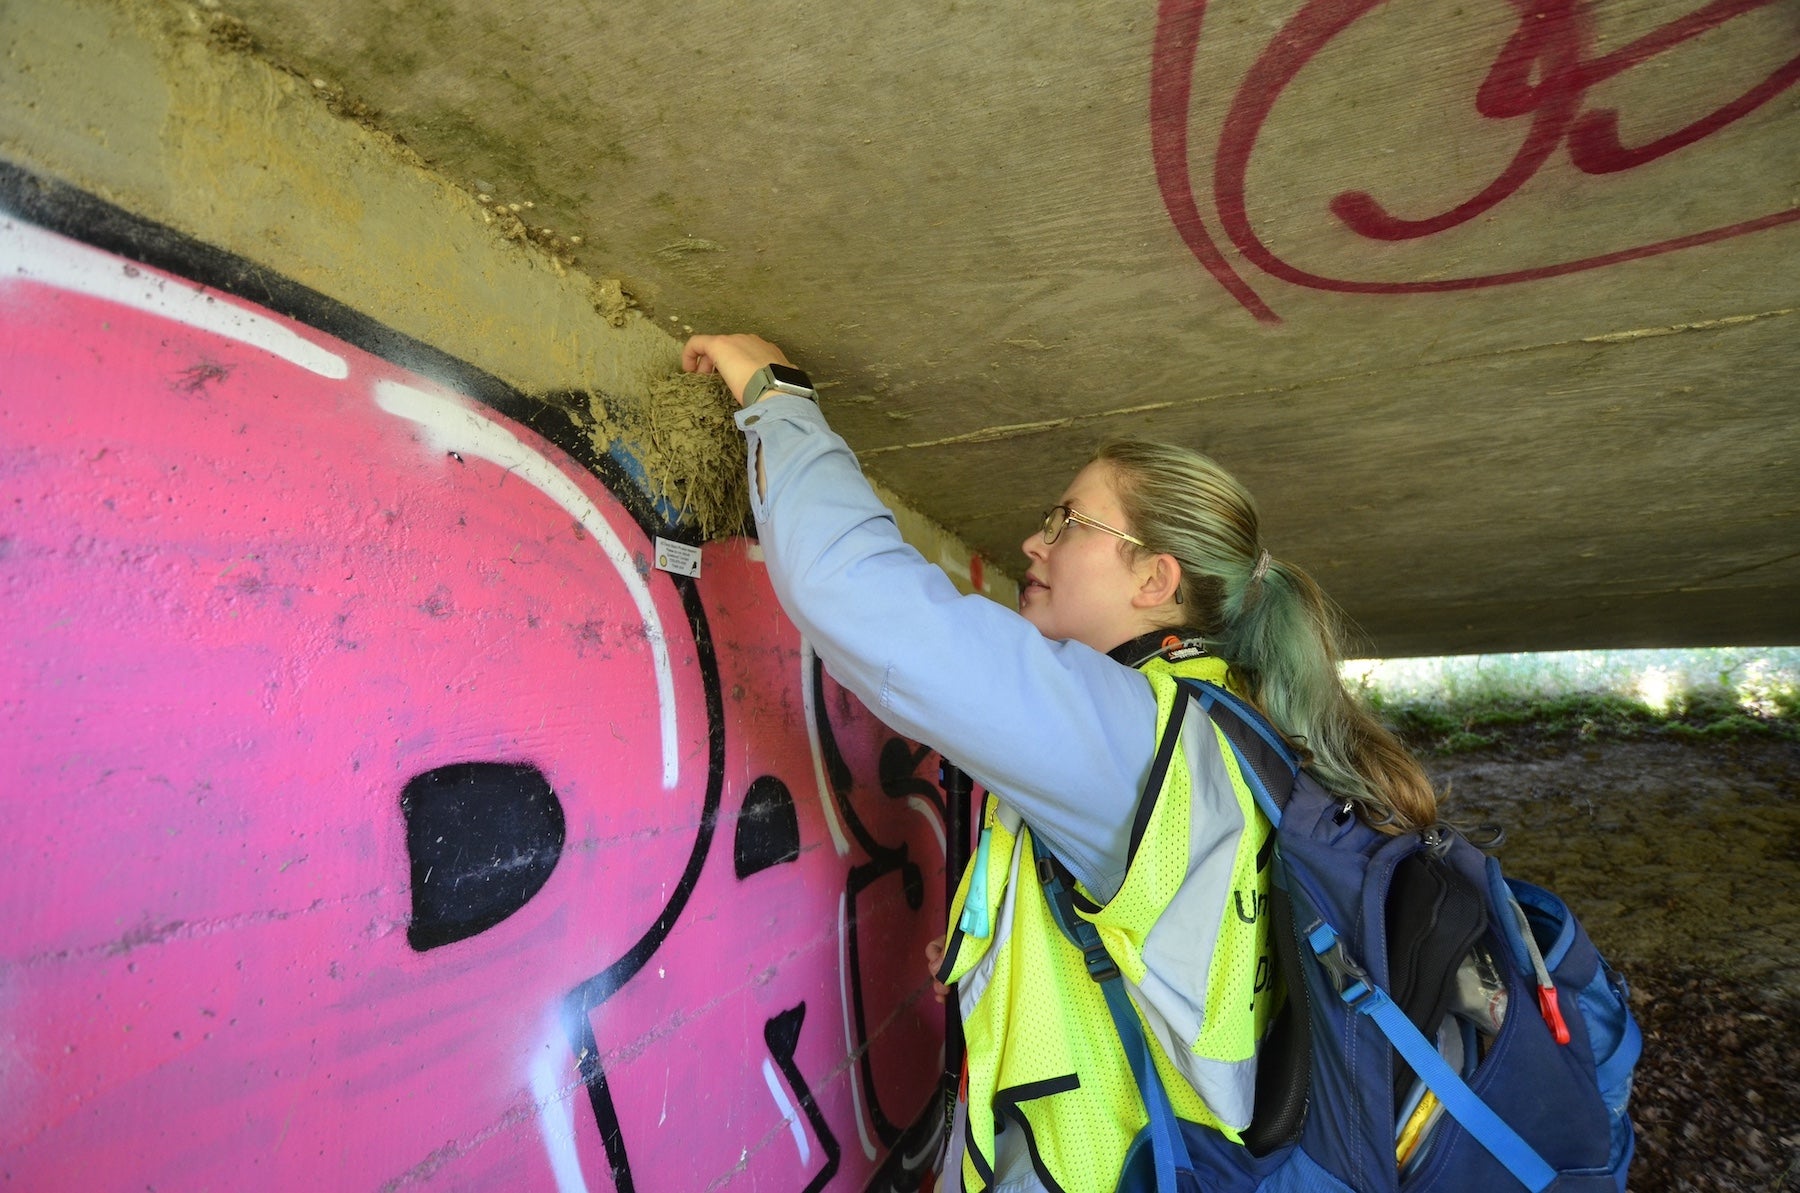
x=1266 y=618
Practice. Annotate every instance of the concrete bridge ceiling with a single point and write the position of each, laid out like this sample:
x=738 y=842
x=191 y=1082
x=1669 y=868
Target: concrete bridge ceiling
x=1492 y=304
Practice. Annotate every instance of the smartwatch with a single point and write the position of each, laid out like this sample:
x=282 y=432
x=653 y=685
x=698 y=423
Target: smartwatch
x=781 y=379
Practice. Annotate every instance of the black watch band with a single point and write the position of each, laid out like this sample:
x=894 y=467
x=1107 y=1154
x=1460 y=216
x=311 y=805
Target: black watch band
x=782 y=379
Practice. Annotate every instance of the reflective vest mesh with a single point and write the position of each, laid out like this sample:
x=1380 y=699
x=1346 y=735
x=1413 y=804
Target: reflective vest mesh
x=1043 y=1052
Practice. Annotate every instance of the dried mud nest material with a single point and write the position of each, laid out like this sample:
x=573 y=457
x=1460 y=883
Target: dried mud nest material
x=611 y=301
x=691 y=452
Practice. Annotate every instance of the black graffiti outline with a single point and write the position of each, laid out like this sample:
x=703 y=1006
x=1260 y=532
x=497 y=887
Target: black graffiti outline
x=72 y=212
x=884 y=860
x=588 y=996
x=899 y=778
x=782 y=1035
x=80 y=215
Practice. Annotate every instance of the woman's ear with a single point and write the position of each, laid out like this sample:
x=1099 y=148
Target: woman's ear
x=1161 y=583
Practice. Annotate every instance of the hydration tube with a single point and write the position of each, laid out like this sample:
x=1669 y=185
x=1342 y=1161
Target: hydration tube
x=957 y=789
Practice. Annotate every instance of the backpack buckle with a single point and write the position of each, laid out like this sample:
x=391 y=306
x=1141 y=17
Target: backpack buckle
x=1353 y=983
x=1100 y=965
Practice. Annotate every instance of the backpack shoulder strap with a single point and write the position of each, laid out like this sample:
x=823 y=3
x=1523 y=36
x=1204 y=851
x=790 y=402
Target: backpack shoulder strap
x=1167 y=1148
x=1284 y=1058
x=1268 y=764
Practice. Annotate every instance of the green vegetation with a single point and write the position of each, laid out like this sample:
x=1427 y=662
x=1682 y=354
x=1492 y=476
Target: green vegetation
x=1448 y=705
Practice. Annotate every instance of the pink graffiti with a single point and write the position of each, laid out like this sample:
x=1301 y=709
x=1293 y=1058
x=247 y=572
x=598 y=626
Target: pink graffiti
x=256 y=580
x=1542 y=74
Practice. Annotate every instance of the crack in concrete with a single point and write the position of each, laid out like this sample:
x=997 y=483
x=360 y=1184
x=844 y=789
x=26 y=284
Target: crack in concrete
x=1749 y=567
x=1593 y=597
x=454 y=1149
x=1645 y=333
x=1041 y=426
x=152 y=933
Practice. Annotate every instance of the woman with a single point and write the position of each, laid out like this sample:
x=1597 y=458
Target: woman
x=1149 y=568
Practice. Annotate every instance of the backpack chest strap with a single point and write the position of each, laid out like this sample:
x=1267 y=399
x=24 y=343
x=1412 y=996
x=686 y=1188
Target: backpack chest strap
x=1168 y=1149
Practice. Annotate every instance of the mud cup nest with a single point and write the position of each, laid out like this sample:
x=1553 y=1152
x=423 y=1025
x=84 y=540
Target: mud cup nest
x=691 y=452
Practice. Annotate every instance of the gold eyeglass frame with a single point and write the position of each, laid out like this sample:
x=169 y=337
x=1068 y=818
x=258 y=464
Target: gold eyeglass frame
x=1052 y=530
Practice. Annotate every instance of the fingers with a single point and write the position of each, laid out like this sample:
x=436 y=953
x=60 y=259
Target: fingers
x=694 y=358
x=697 y=353
x=735 y=358
x=934 y=957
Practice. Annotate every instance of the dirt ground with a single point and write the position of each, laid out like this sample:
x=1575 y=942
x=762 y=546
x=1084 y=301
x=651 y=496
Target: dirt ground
x=1683 y=862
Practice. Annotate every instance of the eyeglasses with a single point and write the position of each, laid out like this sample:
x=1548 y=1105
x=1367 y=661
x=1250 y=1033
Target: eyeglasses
x=1057 y=517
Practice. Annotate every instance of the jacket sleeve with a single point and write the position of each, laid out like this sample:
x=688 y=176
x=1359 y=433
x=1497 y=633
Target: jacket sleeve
x=1064 y=733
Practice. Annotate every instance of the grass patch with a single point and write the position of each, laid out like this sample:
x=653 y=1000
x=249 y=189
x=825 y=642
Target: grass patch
x=1456 y=705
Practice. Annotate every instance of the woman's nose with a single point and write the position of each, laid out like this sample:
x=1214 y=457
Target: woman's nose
x=1034 y=546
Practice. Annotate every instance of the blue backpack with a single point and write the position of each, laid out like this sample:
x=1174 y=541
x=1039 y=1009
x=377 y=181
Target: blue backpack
x=1436 y=1011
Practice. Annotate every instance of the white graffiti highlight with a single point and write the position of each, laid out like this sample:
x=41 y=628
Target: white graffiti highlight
x=556 y=1113
x=928 y=810
x=454 y=425
x=32 y=254
x=788 y=1114
x=850 y=1049
x=809 y=710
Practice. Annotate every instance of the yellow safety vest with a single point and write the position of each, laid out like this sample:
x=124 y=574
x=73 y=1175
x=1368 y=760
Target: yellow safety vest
x=1043 y=1053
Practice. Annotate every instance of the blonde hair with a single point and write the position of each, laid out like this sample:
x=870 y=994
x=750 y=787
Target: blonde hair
x=1279 y=632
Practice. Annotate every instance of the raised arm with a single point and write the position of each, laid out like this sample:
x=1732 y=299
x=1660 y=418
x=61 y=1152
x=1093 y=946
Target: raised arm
x=1062 y=731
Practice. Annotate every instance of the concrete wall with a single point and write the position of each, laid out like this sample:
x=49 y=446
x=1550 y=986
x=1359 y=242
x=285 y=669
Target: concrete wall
x=376 y=813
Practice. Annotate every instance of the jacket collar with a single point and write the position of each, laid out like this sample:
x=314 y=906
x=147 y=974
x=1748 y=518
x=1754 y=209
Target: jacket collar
x=1158 y=644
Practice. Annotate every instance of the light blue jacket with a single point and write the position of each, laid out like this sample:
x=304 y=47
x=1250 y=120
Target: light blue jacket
x=1064 y=733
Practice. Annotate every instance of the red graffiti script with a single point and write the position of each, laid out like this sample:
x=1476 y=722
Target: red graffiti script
x=1542 y=74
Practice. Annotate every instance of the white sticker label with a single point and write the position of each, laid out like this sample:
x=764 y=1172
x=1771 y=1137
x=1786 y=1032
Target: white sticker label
x=679 y=558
